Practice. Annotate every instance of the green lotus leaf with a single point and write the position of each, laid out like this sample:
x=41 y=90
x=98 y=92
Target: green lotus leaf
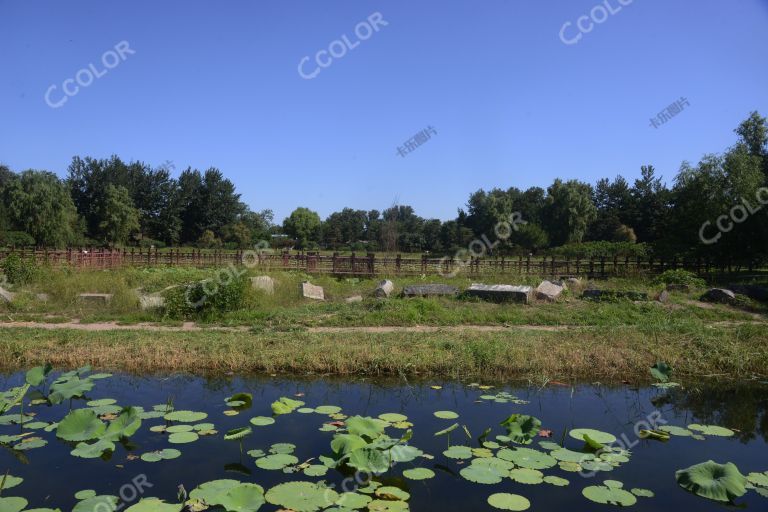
x=458 y=452
x=328 y=409
x=262 y=421
x=285 y=405
x=305 y=410
x=97 y=504
x=388 y=506
x=238 y=433
x=126 y=424
x=66 y=388
x=389 y=492
x=500 y=464
x=316 y=470
x=173 y=429
x=211 y=492
x=507 y=501
x=282 y=448
x=643 y=493
x=596 y=465
x=183 y=437
x=80 y=425
x=719 y=482
x=447 y=430
x=676 y=431
x=342 y=444
x=30 y=443
x=152 y=505
x=369 y=459
x=84 y=494
x=609 y=495
x=481 y=474
x=94 y=450
x=527 y=458
x=526 y=476
x=392 y=417
x=595 y=435
x=556 y=480
x=244 y=497
x=276 y=461
x=365 y=427
x=711 y=430
x=446 y=415
x=239 y=400
x=758 y=479
x=37 y=375
x=521 y=428
x=8 y=481
x=352 y=500
x=549 y=445
x=566 y=455
x=418 y=474
x=302 y=496
x=185 y=416
x=102 y=402
x=661 y=372
x=12 y=504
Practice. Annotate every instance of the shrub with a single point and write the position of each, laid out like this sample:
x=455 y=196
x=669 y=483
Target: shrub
x=17 y=270
x=207 y=299
x=680 y=276
x=16 y=239
x=148 y=242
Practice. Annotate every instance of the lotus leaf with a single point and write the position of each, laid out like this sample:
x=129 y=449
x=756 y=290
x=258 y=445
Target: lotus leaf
x=94 y=450
x=387 y=506
x=759 y=479
x=12 y=504
x=186 y=416
x=458 y=452
x=527 y=458
x=521 y=428
x=418 y=474
x=507 y=501
x=676 y=431
x=97 y=504
x=595 y=435
x=352 y=500
x=719 y=482
x=262 y=421
x=152 y=505
x=282 y=448
x=711 y=430
x=389 y=492
x=526 y=476
x=643 y=493
x=183 y=437
x=556 y=480
x=365 y=427
x=80 y=425
x=328 y=409
x=237 y=434
x=482 y=474
x=276 y=461
x=446 y=415
x=661 y=372
x=609 y=495
x=302 y=496
x=369 y=459
x=125 y=425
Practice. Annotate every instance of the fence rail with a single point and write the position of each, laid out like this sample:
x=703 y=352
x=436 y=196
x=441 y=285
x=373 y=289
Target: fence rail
x=364 y=265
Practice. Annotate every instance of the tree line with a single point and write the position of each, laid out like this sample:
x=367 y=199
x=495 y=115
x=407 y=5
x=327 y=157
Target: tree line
x=715 y=209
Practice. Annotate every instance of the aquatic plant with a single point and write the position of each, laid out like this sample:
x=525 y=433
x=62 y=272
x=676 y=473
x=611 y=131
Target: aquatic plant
x=719 y=482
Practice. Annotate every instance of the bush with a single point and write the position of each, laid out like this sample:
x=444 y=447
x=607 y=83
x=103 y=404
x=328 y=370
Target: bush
x=16 y=239
x=207 y=299
x=17 y=270
x=148 y=242
x=601 y=249
x=680 y=276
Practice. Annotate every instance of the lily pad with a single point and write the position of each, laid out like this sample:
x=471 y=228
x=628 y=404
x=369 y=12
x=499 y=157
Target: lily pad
x=595 y=435
x=719 y=482
x=418 y=474
x=507 y=501
x=711 y=430
x=302 y=496
x=609 y=495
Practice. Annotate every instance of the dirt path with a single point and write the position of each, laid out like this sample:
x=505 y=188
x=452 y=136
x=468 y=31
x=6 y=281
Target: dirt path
x=193 y=327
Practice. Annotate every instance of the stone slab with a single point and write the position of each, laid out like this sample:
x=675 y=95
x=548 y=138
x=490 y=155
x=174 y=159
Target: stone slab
x=311 y=291
x=263 y=283
x=500 y=292
x=96 y=298
x=384 y=289
x=429 y=290
x=548 y=290
x=719 y=295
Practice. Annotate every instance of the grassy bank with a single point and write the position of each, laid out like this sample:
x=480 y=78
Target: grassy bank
x=606 y=354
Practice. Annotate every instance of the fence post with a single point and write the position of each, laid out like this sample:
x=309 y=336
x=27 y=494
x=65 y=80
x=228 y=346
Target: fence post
x=528 y=264
x=397 y=264
x=602 y=266
x=372 y=263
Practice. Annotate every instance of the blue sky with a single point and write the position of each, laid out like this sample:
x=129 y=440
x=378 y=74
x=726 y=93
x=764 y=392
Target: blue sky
x=217 y=84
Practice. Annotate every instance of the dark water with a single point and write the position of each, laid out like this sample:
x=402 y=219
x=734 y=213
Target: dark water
x=52 y=475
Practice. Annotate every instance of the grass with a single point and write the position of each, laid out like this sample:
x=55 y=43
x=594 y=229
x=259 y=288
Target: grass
x=606 y=354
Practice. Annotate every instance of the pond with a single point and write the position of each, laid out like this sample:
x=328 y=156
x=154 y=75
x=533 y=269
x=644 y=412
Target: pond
x=520 y=465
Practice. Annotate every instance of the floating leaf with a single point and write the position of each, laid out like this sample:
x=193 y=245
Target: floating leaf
x=719 y=482
x=711 y=430
x=609 y=495
x=302 y=496
x=446 y=415
x=80 y=425
x=595 y=435
x=507 y=501
x=482 y=474
x=418 y=474
x=521 y=428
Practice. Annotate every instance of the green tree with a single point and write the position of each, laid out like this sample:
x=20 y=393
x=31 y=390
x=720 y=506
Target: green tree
x=303 y=225
x=568 y=211
x=119 y=219
x=39 y=204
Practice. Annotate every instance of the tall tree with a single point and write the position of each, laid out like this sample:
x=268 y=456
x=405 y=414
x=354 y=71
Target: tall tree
x=568 y=211
x=119 y=217
x=303 y=225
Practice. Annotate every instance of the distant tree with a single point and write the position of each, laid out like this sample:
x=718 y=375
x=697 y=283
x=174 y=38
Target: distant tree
x=119 y=217
x=303 y=225
x=39 y=204
x=568 y=211
x=208 y=240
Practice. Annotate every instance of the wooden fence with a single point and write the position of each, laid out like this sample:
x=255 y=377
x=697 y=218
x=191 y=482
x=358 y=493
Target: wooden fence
x=364 y=265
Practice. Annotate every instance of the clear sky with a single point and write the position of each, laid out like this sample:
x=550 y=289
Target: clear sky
x=214 y=83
